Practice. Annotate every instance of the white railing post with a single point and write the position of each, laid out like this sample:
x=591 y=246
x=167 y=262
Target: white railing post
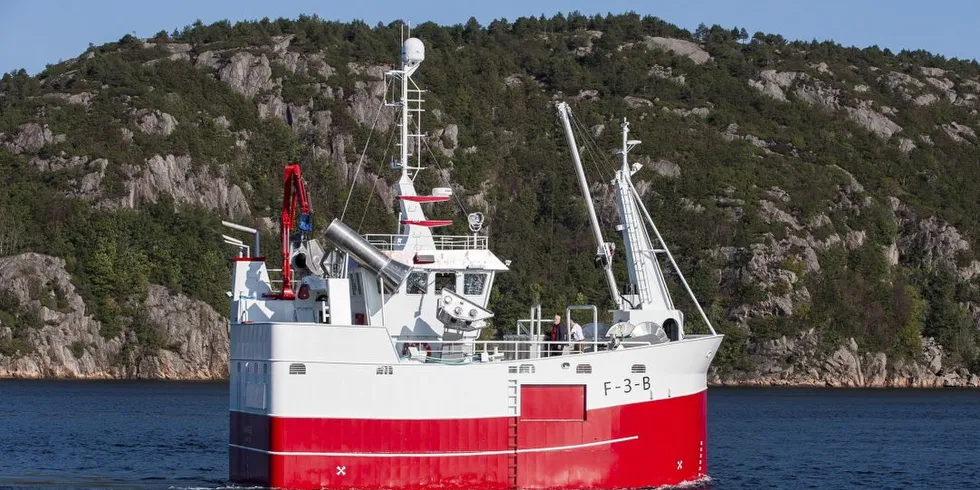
x=595 y=323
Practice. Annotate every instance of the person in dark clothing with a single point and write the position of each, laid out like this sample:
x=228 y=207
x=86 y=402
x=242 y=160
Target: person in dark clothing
x=557 y=335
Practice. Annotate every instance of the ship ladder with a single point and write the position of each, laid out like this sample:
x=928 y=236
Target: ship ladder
x=513 y=389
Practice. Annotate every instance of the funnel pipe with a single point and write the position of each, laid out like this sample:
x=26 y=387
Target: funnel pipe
x=392 y=272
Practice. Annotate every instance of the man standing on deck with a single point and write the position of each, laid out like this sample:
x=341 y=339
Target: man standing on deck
x=557 y=335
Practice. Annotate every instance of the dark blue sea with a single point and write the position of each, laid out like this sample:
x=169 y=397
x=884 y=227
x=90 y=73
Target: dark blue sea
x=157 y=435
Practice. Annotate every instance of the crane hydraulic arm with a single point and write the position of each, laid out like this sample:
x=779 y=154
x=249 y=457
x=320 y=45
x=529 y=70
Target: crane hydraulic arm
x=294 y=194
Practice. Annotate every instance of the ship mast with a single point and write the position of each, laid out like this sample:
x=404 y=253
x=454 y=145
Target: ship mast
x=409 y=65
x=403 y=143
x=647 y=296
x=603 y=249
x=646 y=288
x=413 y=226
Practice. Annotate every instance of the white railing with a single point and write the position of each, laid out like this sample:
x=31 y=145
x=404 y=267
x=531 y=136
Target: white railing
x=513 y=347
x=532 y=325
x=442 y=242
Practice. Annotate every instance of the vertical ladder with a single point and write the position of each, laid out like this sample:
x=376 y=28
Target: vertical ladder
x=413 y=103
x=513 y=399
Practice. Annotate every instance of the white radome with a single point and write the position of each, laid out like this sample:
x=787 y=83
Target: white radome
x=413 y=50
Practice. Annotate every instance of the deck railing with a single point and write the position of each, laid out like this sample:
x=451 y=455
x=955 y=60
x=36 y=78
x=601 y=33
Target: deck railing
x=442 y=242
x=513 y=347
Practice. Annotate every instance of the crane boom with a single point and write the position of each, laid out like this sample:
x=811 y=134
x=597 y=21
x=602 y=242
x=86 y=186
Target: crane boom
x=603 y=252
x=293 y=195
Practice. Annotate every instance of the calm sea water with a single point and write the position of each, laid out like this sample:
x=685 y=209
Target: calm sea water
x=151 y=435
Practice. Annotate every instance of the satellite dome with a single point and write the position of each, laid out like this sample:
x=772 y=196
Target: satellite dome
x=413 y=51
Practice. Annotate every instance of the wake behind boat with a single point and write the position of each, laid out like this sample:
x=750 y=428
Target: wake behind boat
x=363 y=369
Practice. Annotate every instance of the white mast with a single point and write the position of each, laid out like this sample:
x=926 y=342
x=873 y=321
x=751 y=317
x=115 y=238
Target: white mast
x=411 y=216
x=647 y=288
x=603 y=252
x=403 y=144
x=413 y=53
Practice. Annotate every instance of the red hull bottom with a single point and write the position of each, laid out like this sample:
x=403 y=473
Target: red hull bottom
x=647 y=444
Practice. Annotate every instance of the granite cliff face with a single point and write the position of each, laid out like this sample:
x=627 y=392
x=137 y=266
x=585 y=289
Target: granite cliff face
x=67 y=342
x=804 y=361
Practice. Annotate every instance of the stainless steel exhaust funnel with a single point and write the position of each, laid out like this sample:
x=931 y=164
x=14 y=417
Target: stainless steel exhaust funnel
x=392 y=272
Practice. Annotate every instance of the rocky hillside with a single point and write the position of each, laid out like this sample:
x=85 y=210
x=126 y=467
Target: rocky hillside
x=50 y=334
x=822 y=198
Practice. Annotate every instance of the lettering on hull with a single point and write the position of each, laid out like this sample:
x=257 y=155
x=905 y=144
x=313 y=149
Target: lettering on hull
x=627 y=385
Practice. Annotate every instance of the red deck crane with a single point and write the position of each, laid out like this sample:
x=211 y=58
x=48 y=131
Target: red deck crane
x=294 y=192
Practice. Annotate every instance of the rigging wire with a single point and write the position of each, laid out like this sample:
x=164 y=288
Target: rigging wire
x=590 y=154
x=360 y=161
x=593 y=149
x=367 y=204
x=432 y=155
x=602 y=156
x=551 y=238
x=588 y=138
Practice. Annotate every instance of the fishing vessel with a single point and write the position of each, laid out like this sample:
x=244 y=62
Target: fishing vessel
x=359 y=364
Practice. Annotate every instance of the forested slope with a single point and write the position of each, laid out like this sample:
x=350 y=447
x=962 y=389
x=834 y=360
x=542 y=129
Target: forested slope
x=822 y=199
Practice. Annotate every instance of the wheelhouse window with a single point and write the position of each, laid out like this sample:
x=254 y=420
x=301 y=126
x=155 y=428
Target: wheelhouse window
x=473 y=284
x=445 y=281
x=417 y=282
